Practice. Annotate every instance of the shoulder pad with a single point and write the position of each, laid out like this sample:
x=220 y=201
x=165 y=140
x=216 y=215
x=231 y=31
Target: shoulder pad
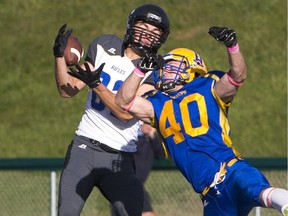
x=216 y=75
x=149 y=93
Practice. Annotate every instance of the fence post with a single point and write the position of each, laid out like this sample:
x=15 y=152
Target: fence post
x=258 y=211
x=53 y=193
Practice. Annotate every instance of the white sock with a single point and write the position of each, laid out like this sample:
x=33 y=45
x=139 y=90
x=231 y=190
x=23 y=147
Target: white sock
x=275 y=198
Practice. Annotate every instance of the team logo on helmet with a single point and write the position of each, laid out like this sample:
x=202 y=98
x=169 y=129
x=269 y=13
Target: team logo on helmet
x=154 y=16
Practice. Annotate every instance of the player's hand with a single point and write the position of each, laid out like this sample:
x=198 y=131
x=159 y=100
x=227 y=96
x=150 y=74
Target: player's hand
x=90 y=78
x=224 y=35
x=61 y=41
x=151 y=62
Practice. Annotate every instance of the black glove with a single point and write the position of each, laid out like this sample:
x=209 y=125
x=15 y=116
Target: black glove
x=61 y=41
x=151 y=62
x=224 y=35
x=91 y=78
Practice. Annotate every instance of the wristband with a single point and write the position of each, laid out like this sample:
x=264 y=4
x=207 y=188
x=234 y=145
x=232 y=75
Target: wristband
x=233 y=49
x=139 y=72
x=232 y=81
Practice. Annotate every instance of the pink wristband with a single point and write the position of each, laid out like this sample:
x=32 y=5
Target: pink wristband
x=139 y=72
x=233 y=82
x=233 y=49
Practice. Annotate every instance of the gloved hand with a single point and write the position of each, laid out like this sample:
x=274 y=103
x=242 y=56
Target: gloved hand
x=61 y=41
x=151 y=62
x=224 y=35
x=91 y=78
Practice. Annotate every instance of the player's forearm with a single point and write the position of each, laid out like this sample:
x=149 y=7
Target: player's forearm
x=108 y=98
x=67 y=85
x=237 y=65
x=227 y=87
x=128 y=90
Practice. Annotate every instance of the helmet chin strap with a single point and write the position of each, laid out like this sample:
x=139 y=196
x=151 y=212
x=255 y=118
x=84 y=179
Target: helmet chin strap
x=169 y=86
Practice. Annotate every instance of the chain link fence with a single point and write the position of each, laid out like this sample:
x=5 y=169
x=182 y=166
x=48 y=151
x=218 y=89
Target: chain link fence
x=28 y=192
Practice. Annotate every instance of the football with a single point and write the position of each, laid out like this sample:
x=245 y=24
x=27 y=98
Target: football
x=73 y=51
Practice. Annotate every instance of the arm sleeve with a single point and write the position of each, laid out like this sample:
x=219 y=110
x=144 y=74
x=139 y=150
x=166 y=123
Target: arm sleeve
x=92 y=51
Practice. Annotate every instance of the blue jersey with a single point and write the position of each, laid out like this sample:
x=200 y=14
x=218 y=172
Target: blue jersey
x=194 y=128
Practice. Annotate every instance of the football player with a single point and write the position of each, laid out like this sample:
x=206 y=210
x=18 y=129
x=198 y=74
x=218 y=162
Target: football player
x=190 y=111
x=101 y=153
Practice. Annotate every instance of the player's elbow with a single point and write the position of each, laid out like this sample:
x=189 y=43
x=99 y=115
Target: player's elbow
x=239 y=74
x=67 y=91
x=64 y=94
x=117 y=100
x=243 y=74
x=120 y=100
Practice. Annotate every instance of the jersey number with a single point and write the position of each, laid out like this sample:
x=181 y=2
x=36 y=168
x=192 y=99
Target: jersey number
x=170 y=127
x=96 y=103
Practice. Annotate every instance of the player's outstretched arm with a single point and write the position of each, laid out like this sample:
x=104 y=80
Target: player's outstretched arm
x=108 y=98
x=92 y=79
x=67 y=85
x=227 y=87
x=128 y=100
x=127 y=97
x=128 y=90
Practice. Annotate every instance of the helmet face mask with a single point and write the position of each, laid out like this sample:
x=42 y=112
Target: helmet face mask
x=186 y=66
x=140 y=33
x=152 y=15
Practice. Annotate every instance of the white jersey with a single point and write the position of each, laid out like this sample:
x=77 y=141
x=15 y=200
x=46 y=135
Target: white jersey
x=98 y=122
